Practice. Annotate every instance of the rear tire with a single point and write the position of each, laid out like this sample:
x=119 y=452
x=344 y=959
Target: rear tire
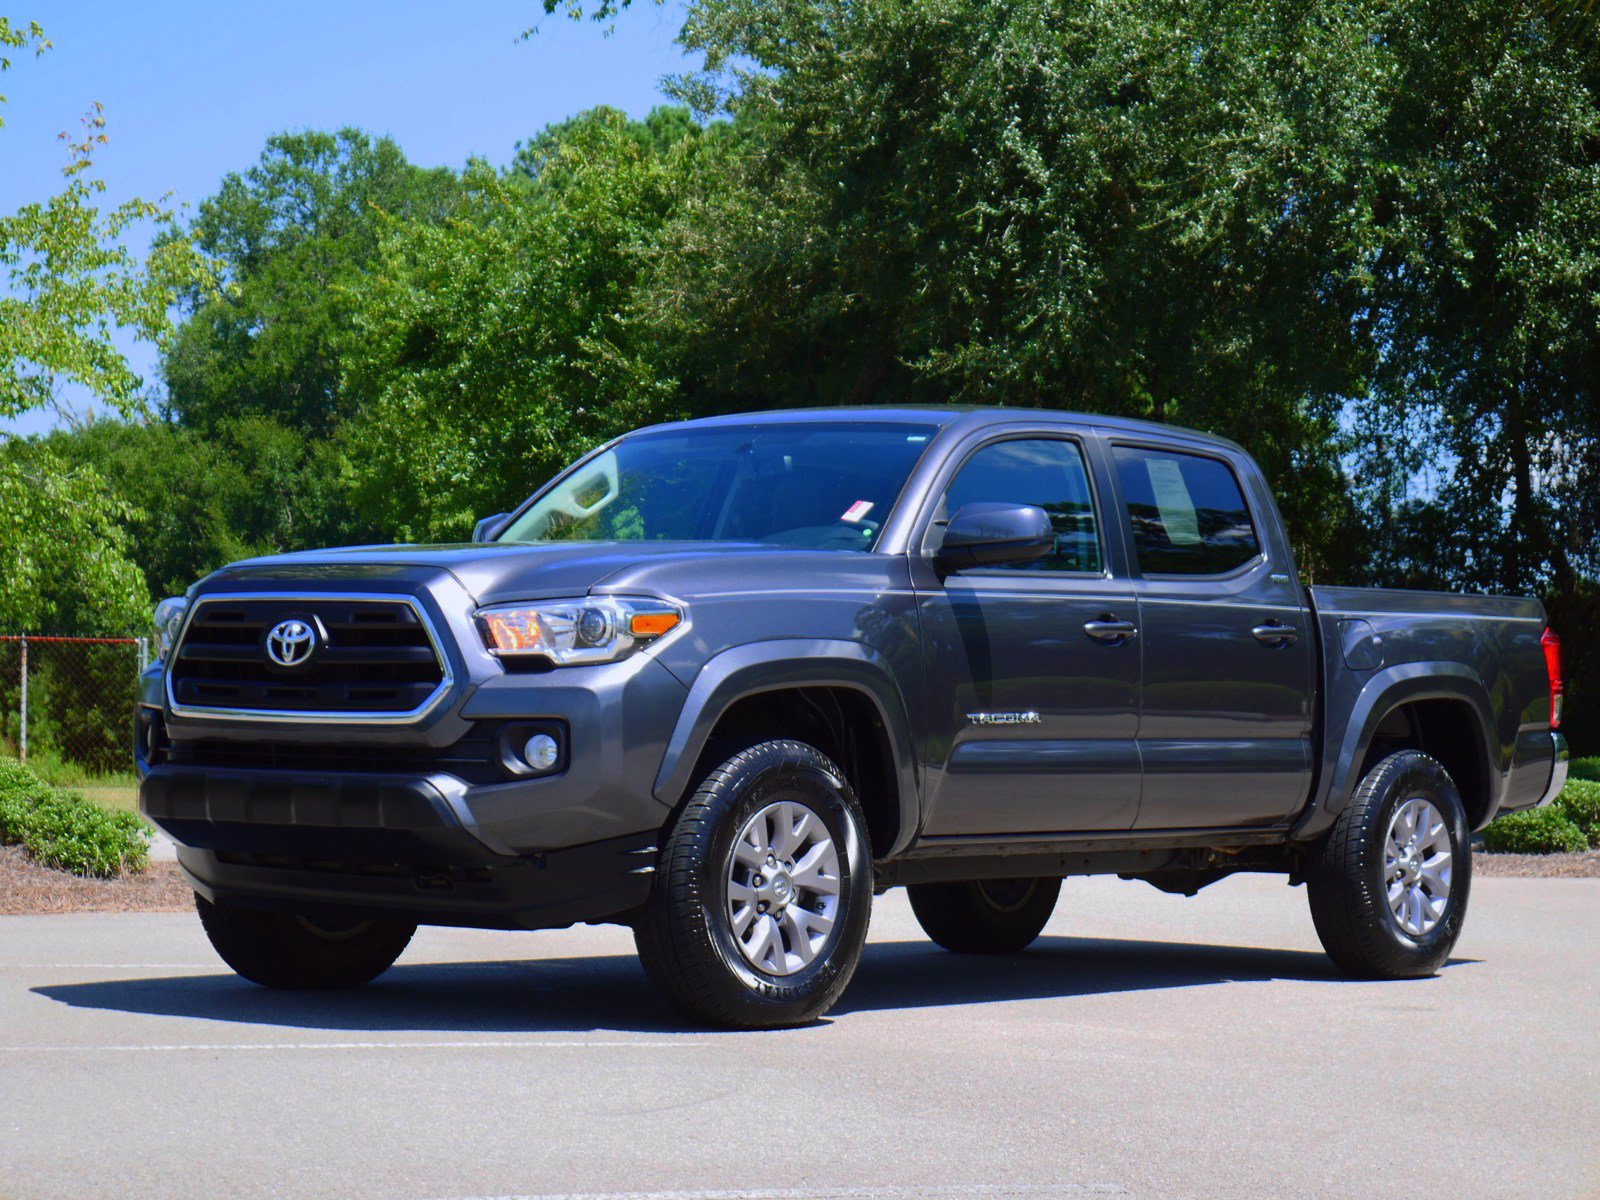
x=1388 y=886
x=283 y=950
x=991 y=916
x=762 y=894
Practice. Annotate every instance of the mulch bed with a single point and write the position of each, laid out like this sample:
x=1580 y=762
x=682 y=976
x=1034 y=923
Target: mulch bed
x=27 y=888
x=1583 y=865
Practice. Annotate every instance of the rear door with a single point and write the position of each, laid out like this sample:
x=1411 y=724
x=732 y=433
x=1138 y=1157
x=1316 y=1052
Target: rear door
x=1226 y=710
x=1031 y=717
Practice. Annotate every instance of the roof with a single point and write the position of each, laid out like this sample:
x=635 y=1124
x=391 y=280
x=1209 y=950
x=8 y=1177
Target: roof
x=945 y=416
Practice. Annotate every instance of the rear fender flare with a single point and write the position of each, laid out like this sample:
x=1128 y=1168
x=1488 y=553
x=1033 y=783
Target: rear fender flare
x=779 y=665
x=1382 y=694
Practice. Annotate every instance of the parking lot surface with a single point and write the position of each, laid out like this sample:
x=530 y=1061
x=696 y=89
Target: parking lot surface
x=1147 y=1046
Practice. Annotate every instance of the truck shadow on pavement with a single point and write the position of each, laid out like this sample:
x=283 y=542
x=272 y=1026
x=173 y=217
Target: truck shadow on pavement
x=610 y=992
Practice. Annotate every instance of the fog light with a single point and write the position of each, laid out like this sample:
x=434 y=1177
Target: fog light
x=541 y=752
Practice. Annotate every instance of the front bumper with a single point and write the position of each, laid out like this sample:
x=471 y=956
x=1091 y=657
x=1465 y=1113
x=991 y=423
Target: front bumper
x=381 y=846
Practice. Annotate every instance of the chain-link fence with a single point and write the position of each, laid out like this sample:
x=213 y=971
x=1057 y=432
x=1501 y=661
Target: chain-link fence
x=66 y=705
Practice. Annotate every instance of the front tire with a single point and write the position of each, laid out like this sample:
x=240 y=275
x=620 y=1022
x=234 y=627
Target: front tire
x=762 y=894
x=283 y=950
x=990 y=916
x=1388 y=887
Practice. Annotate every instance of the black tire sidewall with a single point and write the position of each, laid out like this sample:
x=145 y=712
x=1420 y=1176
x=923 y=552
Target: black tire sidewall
x=275 y=950
x=1421 y=778
x=965 y=917
x=772 y=772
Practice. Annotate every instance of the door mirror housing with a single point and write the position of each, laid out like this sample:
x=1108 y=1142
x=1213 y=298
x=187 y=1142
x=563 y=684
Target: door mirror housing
x=995 y=535
x=488 y=527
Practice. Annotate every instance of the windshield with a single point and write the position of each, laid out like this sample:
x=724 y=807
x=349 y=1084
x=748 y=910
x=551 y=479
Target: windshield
x=821 y=485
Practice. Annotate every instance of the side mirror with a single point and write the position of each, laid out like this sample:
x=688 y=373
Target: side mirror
x=488 y=527
x=993 y=535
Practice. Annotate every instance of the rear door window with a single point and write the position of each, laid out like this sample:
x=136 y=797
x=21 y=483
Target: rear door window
x=1187 y=513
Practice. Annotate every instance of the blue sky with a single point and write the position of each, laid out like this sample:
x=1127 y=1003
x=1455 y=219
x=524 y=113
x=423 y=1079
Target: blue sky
x=192 y=90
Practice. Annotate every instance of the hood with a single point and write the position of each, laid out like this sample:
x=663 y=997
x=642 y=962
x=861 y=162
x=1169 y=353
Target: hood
x=490 y=571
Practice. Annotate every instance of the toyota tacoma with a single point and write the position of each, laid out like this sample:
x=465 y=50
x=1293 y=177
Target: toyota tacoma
x=724 y=681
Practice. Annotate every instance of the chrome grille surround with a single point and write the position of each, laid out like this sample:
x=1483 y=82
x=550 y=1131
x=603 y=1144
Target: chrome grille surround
x=302 y=601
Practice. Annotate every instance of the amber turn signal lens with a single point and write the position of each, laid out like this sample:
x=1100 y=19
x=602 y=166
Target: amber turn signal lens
x=651 y=624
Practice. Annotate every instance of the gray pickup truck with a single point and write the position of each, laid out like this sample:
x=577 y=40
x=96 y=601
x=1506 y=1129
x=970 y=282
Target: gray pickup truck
x=726 y=680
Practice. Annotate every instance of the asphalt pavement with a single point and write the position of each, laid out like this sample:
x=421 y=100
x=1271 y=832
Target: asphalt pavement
x=1148 y=1046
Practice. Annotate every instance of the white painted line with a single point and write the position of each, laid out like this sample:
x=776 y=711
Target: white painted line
x=207 y=1048
x=217 y=967
x=999 y=1191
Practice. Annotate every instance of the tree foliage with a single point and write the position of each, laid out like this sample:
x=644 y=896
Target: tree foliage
x=493 y=347
x=68 y=284
x=1149 y=209
x=66 y=550
x=195 y=500
x=296 y=235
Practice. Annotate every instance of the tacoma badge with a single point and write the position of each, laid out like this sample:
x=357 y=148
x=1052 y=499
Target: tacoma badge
x=1010 y=718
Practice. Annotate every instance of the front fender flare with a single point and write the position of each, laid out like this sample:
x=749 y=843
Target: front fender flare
x=777 y=665
x=1384 y=692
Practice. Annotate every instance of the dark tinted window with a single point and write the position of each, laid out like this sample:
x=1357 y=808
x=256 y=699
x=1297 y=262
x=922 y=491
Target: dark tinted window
x=816 y=484
x=1048 y=473
x=1187 y=513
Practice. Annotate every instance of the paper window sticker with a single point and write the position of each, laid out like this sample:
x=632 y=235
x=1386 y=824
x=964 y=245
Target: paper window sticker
x=1173 y=502
x=857 y=511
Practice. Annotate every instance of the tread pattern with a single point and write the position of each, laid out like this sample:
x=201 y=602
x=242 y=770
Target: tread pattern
x=1345 y=885
x=675 y=942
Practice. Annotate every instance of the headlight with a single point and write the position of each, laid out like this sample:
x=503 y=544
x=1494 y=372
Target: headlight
x=594 y=629
x=168 y=619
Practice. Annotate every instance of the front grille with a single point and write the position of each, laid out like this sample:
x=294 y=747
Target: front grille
x=373 y=656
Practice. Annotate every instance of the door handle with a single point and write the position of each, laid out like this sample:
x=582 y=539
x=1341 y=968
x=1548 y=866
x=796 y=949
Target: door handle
x=1275 y=633
x=1111 y=631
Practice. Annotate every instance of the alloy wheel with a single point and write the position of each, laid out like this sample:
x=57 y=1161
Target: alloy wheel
x=1417 y=864
x=783 y=888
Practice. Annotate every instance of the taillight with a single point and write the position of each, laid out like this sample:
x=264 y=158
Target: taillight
x=1552 y=666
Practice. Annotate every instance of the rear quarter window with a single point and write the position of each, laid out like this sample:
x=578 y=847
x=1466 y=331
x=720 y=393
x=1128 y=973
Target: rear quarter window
x=1187 y=512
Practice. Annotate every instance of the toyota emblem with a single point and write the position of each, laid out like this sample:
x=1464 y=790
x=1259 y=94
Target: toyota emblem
x=291 y=643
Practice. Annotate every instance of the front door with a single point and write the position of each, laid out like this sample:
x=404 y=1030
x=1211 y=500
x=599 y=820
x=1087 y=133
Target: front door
x=1033 y=683
x=1226 y=719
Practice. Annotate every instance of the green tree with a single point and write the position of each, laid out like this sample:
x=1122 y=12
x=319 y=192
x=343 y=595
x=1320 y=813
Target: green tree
x=66 y=551
x=68 y=283
x=1480 y=454
x=193 y=500
x=296 y=235
x=1142 y=207
x=1486 y=298
x=493 y=347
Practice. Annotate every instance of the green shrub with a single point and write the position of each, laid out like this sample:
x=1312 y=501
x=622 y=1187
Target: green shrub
x=1538 y=831
x=1587 y=769
x=1579 y=802
x=65 y=831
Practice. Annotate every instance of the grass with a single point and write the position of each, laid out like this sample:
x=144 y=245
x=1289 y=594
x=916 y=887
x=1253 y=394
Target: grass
x=48 y=764
x=118 y=798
